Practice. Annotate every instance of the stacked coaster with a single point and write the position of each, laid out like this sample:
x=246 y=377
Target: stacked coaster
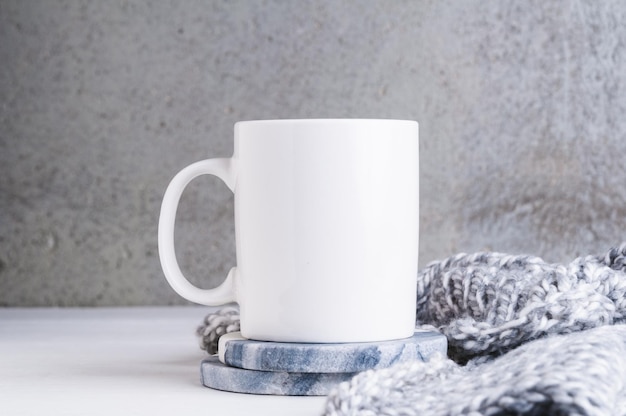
x=293 y=369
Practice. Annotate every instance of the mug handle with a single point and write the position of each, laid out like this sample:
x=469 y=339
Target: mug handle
x=224 y=169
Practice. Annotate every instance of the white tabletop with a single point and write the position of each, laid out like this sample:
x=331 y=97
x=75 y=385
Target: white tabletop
x=109 y=361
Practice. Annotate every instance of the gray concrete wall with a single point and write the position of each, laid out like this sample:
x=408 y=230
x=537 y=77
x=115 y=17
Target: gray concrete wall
x=521 y=107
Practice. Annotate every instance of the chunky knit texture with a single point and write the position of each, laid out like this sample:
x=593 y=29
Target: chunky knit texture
x=577 y=374
x=525 y=337
x=489 y=303
x=215 y=325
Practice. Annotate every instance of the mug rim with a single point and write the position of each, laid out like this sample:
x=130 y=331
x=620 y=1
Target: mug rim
x=324 y=120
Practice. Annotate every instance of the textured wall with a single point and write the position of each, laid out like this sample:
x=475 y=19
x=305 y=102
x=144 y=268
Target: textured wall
x=521 y=110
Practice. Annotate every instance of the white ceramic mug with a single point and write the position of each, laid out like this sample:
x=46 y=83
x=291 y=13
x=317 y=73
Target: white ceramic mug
x=327 y=229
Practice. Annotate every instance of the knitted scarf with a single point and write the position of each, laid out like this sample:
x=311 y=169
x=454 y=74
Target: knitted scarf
x=525 y=338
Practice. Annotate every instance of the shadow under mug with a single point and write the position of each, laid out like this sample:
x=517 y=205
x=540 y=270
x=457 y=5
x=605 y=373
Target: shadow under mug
x=327 y=229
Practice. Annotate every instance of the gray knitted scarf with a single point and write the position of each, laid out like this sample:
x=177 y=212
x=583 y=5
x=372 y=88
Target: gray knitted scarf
x=525 y=338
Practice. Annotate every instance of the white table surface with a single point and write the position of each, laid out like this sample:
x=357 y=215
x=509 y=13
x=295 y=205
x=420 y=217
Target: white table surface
x=117 y=361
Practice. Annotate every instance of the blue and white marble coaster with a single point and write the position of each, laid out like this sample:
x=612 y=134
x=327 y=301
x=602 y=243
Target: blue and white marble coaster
x=222 y=377
x=236 y=351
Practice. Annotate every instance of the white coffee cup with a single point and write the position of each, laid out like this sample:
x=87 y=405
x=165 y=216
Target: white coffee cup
x=326 y=229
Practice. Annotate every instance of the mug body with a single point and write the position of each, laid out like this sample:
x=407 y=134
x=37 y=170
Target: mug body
x=327 y=228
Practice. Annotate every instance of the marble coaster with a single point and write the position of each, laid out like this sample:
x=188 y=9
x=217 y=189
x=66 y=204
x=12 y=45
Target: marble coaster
x=222 y=377
x=236 y=351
